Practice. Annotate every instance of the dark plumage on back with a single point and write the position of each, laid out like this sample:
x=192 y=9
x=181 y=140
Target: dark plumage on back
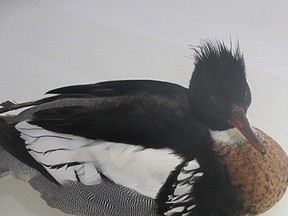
x=143 y=112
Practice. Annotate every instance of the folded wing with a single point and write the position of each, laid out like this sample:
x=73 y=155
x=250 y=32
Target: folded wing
x=133 y=132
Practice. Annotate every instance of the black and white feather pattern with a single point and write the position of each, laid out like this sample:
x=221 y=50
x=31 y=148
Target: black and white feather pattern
x=104 y=199
x=72 y=158
x=72 y=197
x=181 y=200
x=133 y=137
x=110 y=129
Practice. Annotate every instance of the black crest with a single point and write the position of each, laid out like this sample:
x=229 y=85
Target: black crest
x=219 y=79
x=219 y=68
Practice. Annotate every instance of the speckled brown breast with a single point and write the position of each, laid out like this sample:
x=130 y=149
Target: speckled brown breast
x=262 y=180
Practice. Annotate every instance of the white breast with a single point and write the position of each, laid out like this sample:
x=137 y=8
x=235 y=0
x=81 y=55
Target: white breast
x=69 y=157
x=228 y=137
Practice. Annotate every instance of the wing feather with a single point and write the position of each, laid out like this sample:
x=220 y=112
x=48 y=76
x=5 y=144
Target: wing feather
x=133 y=132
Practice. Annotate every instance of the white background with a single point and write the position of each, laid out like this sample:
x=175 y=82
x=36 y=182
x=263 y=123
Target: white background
x=52 y=43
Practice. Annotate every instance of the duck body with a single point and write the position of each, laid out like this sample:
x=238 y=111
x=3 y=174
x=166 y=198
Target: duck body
x=158 y=115
x=156 y=139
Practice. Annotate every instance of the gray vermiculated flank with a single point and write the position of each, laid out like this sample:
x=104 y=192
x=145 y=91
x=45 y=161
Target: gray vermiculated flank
x=11 y=166
x=104 y=199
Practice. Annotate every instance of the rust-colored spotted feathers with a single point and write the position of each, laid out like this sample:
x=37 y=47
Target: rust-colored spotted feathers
x=261 y=180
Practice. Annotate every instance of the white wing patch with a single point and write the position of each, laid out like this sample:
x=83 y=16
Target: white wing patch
x=69 y=157
x=181 y=201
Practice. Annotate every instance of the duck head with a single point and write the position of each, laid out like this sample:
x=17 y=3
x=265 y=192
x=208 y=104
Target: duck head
x=220 y=94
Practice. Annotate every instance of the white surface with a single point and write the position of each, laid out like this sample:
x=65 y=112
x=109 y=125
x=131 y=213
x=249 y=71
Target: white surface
x=47 y=44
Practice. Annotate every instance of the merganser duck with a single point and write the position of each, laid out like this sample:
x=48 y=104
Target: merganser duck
x=176 y=151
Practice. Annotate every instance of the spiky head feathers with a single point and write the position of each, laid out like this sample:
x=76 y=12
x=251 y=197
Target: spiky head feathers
x=219 y=80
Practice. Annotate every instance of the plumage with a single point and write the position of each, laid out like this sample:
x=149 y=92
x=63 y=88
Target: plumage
x=229 y=136
x=64 y=156
x=146 y=140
